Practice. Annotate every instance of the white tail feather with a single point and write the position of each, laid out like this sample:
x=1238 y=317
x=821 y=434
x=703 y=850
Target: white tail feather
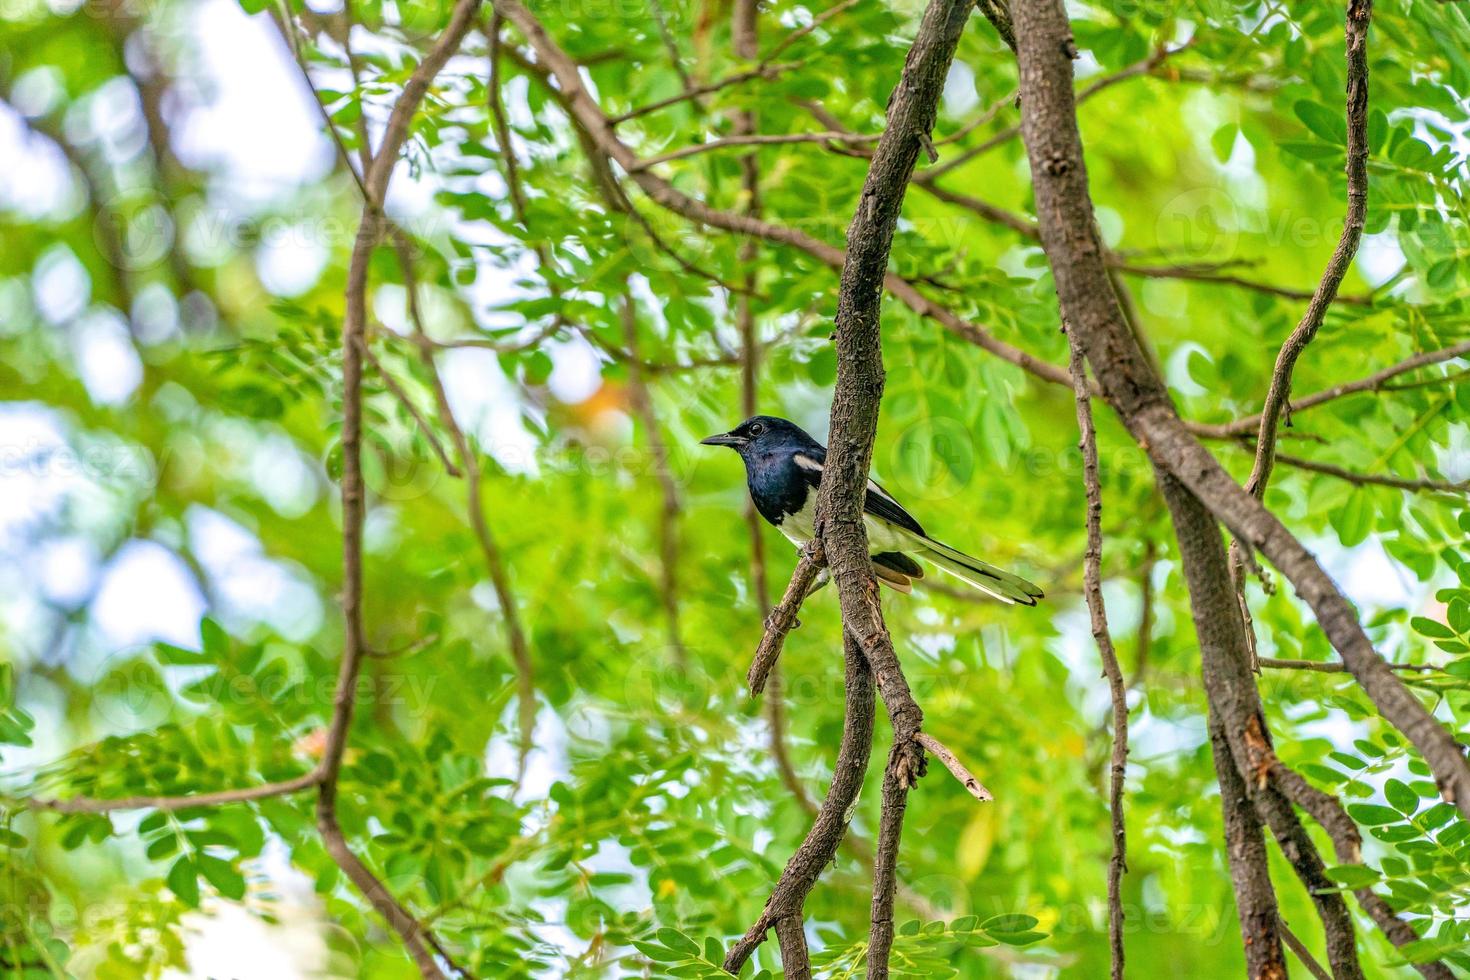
x=966 y=575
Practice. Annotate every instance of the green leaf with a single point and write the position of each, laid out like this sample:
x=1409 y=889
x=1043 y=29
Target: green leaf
x=1354 y=519
x=1353 y=875
x=1329 y=124
x=1202 y=370
x=1222 y=141
x=1401 y=797
x=1441 y=275
x=1015 y=922
x=659 y=954
x=223 y=876
x=1309 y=151
x=676 y=940
x=183 y=881
x=1373 y=815
x=215 y=640
x=1430 y=628
x=163 y=847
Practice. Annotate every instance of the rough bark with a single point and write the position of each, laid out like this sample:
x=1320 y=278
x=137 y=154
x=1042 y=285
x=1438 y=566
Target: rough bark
x=1138 y=395
x=806 y=865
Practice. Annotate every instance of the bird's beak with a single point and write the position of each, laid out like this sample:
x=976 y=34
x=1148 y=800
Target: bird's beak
x=724 y=439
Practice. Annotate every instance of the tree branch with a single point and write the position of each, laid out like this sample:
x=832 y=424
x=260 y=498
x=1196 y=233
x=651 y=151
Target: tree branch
x=375 y=185
x=1329 y=667
x=782 y=619
x=585 y=110
x=83 y=804
x=1065 y=209
x=956 y=768
x=1092 y=588
x=1378 y=381
x=752 y=139
x=839 y=521
x=668 y=525
x=1375 y=479
x=396 y=390
x=1279 y=392
x=806 y=865
x=762 y=71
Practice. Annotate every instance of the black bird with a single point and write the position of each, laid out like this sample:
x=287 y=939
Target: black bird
x=783 y=468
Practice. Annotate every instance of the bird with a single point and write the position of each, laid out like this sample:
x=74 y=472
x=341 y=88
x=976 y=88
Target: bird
x=783 y=469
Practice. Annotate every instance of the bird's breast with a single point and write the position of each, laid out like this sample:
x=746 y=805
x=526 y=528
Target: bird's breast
x=800 y=524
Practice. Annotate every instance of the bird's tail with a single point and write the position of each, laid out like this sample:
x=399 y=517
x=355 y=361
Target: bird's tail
x=982 y=575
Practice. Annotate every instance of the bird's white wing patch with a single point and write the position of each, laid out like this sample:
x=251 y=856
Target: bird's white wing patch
x=811 y=465
x=882 y=534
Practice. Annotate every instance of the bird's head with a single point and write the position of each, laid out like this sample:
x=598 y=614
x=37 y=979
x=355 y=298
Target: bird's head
x=759 y=433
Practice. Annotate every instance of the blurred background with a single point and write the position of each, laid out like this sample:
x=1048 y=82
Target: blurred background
x=175 y=225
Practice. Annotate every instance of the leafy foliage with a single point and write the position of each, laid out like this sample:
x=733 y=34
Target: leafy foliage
x=169 y=622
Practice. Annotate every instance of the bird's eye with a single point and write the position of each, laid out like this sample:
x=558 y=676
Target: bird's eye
x=757 y=429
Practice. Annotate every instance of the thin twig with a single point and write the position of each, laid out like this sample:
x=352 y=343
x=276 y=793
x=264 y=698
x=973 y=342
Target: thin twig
x=1279 y=393
x=495 y=565
x=1093 y=88
x=1375 y=479
x=83 y=804
x=374 y=186
x=1334 y=667
x=745 y=39
x=1377 y=381
x=764 y=71
x=1117 y=688
x=396 y=390
x=782 y=619
x=753 y=139
x=1302 y=953
x=668 y=525
x=833 y=11
x=956 y=768
x=581 y=105
x=1198 y=274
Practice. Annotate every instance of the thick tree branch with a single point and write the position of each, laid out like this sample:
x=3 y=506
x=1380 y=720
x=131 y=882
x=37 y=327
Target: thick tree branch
x=912 y=110
x=1068 y=233
x=854 y=421
x=1230 y=690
